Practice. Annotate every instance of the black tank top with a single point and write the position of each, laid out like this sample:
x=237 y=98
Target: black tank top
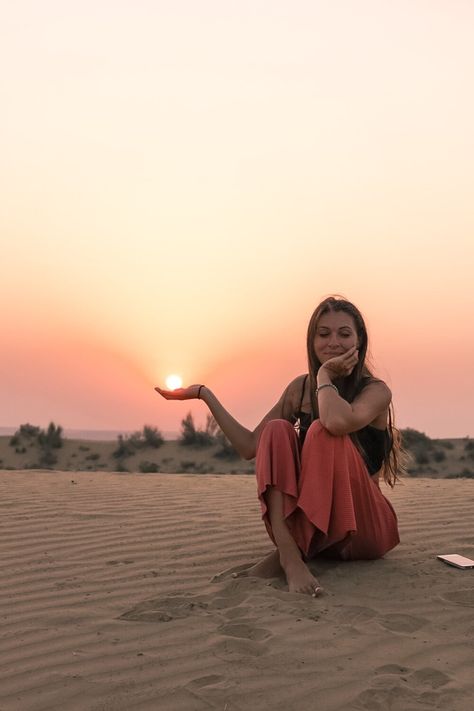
x=374 y=444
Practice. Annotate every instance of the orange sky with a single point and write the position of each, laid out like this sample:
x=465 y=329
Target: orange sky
x=182 y=183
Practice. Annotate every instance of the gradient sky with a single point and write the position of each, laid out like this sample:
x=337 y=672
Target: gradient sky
x=182 y=182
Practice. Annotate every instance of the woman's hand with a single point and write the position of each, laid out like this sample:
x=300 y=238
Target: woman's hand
x=189 y=393
x=342 y=365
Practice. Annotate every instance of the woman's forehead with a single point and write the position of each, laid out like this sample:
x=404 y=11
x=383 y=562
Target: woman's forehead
x=336 y=319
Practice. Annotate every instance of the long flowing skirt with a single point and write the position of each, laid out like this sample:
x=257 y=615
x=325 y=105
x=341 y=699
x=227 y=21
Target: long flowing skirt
x=330 y=503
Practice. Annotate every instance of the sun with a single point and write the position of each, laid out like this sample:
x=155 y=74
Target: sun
x=173 y=382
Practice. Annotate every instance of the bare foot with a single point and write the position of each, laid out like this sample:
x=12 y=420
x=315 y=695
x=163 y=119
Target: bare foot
x=268 y=567
x=299 y=577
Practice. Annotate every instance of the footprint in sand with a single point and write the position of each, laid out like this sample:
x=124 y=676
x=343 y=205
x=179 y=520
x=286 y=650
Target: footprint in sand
x=396 y=669
x=400 y=688
x=165 y=609
x=243 y=630
x=461 y=597
x=430 y=677
x=235 y=648
x=398 y=622
x=353 y=615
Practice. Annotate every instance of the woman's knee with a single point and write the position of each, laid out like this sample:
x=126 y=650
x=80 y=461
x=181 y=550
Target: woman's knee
x=317 y=429
x=281 y=429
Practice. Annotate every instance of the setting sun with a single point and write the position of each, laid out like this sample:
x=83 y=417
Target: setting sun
x=173 y=382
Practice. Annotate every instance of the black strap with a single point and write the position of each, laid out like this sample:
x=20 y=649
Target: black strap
x=302 y=393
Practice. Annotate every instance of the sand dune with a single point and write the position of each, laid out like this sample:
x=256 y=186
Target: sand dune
x=107 y=602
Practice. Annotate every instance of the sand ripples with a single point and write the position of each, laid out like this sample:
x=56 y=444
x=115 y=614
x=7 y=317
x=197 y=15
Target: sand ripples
x=107 y=602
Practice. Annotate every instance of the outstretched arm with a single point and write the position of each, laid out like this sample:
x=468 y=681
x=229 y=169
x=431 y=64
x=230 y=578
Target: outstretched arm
x=242 y=439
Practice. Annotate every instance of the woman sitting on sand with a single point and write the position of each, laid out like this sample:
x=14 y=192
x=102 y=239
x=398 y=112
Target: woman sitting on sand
x=319 y=453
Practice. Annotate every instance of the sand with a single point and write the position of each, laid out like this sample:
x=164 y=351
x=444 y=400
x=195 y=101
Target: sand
x=107 y=602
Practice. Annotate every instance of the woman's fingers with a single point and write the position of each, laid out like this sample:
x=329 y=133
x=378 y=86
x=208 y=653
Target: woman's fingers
x=188 y=393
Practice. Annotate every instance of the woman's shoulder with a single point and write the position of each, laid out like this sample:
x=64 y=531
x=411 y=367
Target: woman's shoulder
x=296 y=385
x=370 y=381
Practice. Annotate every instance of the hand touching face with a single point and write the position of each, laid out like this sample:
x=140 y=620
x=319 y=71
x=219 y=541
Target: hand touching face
x=342 y=365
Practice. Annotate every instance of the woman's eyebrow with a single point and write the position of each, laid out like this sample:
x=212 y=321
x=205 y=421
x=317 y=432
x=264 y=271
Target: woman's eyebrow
x=339 y=328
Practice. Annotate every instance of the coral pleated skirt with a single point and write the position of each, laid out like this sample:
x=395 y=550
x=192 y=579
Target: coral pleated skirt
x=330 y=503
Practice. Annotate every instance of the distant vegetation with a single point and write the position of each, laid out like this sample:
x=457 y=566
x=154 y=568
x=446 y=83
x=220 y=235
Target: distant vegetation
x=40 y=449
x=199 y=438
x=211 y=435
x=47 y=440
x=149 y=438
x=423 y=451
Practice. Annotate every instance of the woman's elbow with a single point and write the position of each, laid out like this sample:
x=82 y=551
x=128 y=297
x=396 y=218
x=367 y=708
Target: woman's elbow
x=249 y=449
x=248 y=453
x=335 y=426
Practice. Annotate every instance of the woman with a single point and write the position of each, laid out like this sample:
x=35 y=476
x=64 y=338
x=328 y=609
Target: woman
x=319 y=453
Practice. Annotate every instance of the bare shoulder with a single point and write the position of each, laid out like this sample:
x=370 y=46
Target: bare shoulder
x=377 y=388
x=373 y=402
x=293 y=392
x=375 y=385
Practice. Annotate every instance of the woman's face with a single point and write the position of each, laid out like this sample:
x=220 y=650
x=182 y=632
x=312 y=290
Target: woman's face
x=335 y=334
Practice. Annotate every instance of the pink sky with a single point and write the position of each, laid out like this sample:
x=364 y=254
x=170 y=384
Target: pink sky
x=181 y=187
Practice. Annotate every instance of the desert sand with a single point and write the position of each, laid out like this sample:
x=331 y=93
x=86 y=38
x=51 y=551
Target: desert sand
x=111 y=599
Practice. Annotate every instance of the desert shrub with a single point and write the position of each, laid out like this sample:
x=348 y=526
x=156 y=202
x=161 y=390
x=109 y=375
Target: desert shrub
x=412 y=438
x=192 y=437
x=148 y=467
x=446 y=444
x=187 y=465
x=149 y=437
x=152 y=437
x=135 y=440
x=469 y=448
x=20 y=450
x=121 y=468
x=421 y=455
x=51 y=438
x=94 y=457
x=47 y=459
x=84 y=448
x=226 y=450
x=439 y=455
x=124 y=449
x=465 y=474
x=27 y=430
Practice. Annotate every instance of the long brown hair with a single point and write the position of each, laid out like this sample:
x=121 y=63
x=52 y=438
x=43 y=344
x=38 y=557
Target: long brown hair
x=349 y=387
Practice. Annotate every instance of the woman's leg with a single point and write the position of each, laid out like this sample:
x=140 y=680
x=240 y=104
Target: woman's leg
x=277 y=469
x=345 y=513
x=299 y=577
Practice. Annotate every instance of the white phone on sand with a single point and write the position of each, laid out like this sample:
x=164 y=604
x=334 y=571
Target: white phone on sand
x=459 y=561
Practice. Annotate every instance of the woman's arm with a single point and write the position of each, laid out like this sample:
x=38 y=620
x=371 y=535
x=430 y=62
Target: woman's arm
x=242 y=439
x=336 y=414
